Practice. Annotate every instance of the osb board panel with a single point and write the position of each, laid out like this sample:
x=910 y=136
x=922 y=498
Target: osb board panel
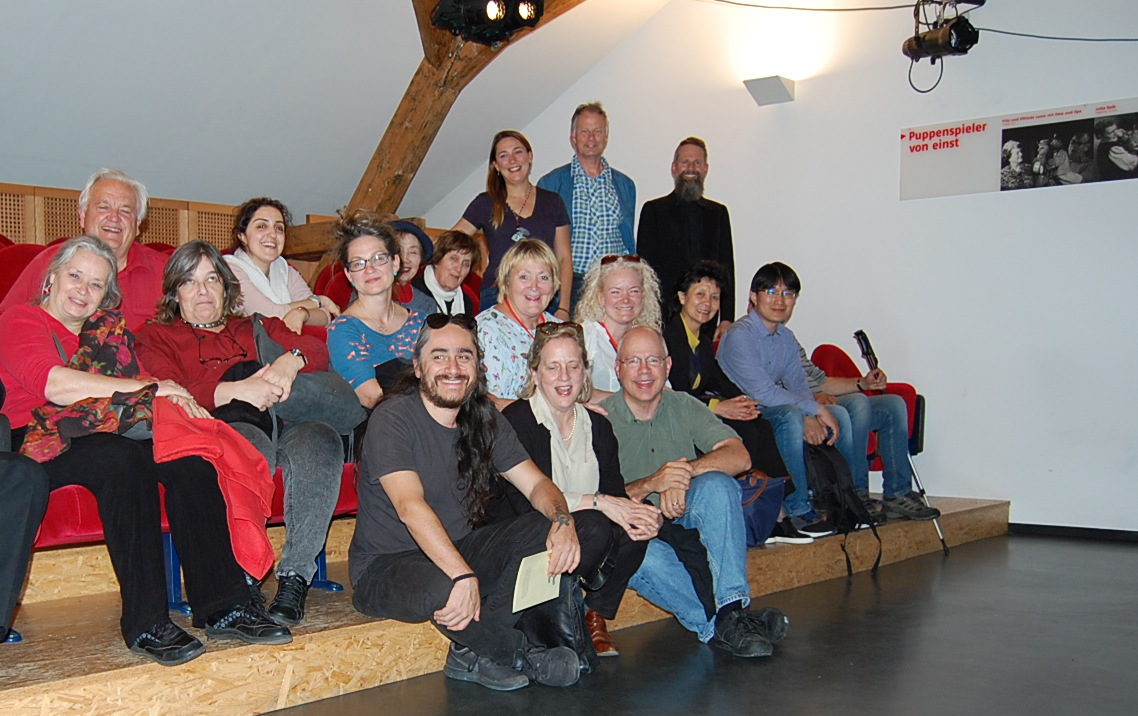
x=62 y=573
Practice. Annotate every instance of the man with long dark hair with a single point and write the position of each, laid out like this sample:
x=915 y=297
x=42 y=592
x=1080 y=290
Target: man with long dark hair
x=432 y=456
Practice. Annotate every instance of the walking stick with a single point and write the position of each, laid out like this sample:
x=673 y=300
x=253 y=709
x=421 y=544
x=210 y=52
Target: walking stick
x=871 y=360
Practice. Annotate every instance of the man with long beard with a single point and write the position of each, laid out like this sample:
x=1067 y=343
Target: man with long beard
x=432 y=456
x=683 y=228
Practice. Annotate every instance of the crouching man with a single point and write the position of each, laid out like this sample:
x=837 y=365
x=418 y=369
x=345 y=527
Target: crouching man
x=674 y=451
x=431 y=457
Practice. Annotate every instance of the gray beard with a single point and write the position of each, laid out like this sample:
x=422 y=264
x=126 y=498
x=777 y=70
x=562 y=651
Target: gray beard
x=689 y=189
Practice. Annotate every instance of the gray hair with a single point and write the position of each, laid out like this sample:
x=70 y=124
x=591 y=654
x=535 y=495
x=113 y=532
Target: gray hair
x=183 y=262
x=136 y=186
x=67 y=251
x=592 y=107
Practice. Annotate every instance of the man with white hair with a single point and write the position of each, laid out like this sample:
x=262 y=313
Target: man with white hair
x=111 y=207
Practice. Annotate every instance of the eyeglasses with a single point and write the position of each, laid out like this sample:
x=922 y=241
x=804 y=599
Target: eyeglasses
x=613 y=258
x=435 y=321
x=212 y=363
x=786 y=293
x=551 y=328
x=380 y=259
x=636 y=361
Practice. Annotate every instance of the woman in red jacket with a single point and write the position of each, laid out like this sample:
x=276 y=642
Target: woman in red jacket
x=201 y=339
x=39 y=366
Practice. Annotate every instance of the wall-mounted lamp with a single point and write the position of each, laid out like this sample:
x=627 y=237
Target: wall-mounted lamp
x=770 y=90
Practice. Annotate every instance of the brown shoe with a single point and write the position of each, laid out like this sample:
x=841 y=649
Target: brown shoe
x=602 y=640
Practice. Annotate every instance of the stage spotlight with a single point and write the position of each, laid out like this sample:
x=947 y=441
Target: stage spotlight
x=489 y=22
x=955 y=37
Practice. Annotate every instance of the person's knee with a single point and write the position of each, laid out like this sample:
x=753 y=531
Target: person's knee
x=714 y=491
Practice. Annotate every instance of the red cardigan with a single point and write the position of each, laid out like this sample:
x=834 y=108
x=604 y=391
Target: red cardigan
x=174 y=351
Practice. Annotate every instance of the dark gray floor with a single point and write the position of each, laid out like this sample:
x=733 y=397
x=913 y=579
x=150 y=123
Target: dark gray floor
x=1009 y=625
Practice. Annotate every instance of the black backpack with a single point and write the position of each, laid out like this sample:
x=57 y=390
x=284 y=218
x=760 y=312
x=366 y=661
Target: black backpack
x=835 y=496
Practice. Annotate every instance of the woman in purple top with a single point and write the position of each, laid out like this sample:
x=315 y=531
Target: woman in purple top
x=511 y=209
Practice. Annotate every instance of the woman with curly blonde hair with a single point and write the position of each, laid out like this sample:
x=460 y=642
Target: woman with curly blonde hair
x=620 y=293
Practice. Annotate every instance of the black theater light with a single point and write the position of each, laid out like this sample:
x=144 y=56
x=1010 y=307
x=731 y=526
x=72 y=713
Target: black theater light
x=489 y=22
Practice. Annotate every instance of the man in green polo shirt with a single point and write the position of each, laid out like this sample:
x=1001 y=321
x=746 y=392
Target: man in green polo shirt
x=676 y=453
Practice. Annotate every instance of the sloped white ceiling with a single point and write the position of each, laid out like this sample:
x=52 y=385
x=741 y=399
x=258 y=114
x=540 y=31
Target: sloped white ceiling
x=219 y=101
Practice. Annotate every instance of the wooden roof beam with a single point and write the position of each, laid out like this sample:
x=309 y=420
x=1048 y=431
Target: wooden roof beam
x=430 y=95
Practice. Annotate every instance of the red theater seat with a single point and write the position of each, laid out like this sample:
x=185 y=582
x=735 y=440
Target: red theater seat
x=13 y=260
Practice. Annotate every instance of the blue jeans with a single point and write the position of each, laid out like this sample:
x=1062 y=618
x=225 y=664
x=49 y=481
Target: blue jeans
x=887 y=415
x=714 y=508
x=787 y=423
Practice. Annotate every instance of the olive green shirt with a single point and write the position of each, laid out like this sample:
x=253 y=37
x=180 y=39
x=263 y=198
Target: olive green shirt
x=682 y=425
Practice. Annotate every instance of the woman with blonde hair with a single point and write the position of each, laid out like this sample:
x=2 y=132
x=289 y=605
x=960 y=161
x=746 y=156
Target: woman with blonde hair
x=620 y=293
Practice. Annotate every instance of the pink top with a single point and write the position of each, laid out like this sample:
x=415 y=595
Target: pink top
x=257 y=302
x=140 y=283
x=25 y=361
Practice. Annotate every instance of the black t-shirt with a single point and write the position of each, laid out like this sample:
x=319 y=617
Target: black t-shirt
x=402 y=435
x=548 y=213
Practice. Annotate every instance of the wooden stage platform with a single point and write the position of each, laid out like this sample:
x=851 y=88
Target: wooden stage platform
x=73 y=660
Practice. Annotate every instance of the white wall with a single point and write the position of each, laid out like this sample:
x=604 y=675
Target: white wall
x=1013 y=313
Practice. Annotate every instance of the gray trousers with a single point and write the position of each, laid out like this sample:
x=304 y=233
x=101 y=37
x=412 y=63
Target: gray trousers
x=311 y=458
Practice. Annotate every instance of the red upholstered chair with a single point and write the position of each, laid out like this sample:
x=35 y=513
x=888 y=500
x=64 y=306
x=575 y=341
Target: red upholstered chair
x=836 y=363
x=5 y=241
x=13 y=260
x=60 y=240
x=332 y=282
x=163 y=247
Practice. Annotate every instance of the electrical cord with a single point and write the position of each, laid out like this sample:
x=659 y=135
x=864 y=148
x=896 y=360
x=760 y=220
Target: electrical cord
x=737 y=3
x=1058 y=37
x=912 y=63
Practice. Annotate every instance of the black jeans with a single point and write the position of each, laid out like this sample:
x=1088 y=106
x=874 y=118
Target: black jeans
x=124 y=478
x=606 y=600
x=23 y=500
x=408 y=587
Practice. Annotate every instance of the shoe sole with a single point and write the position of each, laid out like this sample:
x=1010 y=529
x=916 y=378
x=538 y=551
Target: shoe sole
x=193 y=654
x=899 y=516
x=476 y=678
x=816 y=535
x=233 y=635
x=790 y=540
x=763 y=650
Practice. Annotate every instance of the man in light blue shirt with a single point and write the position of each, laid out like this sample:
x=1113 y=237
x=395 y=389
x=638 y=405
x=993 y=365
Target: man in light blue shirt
x=760 y=355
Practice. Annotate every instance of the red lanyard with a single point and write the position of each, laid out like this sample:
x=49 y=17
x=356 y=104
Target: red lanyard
x=612 y=340
x=511 y=308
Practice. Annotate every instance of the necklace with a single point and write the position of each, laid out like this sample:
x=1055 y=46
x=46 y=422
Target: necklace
x=515 y=315
x=573 y=429
x=214 y=324
x=517 y=214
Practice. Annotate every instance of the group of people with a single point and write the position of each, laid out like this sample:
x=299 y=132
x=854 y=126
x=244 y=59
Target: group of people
x=1110 y=154
x=498 y=427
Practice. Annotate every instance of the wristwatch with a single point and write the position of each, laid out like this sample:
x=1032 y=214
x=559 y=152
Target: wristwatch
x=296 y=352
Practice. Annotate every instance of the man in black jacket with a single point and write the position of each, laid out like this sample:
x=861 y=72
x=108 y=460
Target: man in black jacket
x=683 y=228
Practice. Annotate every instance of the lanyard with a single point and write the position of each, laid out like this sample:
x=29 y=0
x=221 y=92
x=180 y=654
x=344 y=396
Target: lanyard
x=515 y=315
x=611 y=339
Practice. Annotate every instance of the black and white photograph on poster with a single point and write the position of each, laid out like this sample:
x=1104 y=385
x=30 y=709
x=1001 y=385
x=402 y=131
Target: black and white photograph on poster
x=1047 y=155
x=1116 y=147
x=1065 y=146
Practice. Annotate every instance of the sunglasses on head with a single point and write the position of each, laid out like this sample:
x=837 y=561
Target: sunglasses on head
x=436 y=321
x=613 y=258
x=550 y=328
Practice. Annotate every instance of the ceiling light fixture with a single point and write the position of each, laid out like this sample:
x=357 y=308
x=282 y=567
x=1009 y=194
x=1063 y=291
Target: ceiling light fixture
x=488 y=22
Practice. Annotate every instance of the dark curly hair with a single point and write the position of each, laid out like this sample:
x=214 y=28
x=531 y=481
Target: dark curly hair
x=477 y=422
x=713 y=270
x=245 y=213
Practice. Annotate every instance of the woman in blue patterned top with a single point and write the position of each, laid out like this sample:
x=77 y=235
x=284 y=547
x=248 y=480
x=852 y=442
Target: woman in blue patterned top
x=527 y=280
x=374 y=330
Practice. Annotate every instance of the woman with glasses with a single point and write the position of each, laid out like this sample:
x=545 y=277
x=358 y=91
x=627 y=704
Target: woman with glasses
x=512 y=209
x=578 y=450
x=620 y=293
x=527 y=279
x=200 y=339
x=269 y=286
x=60 y=353
x=375 y=335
